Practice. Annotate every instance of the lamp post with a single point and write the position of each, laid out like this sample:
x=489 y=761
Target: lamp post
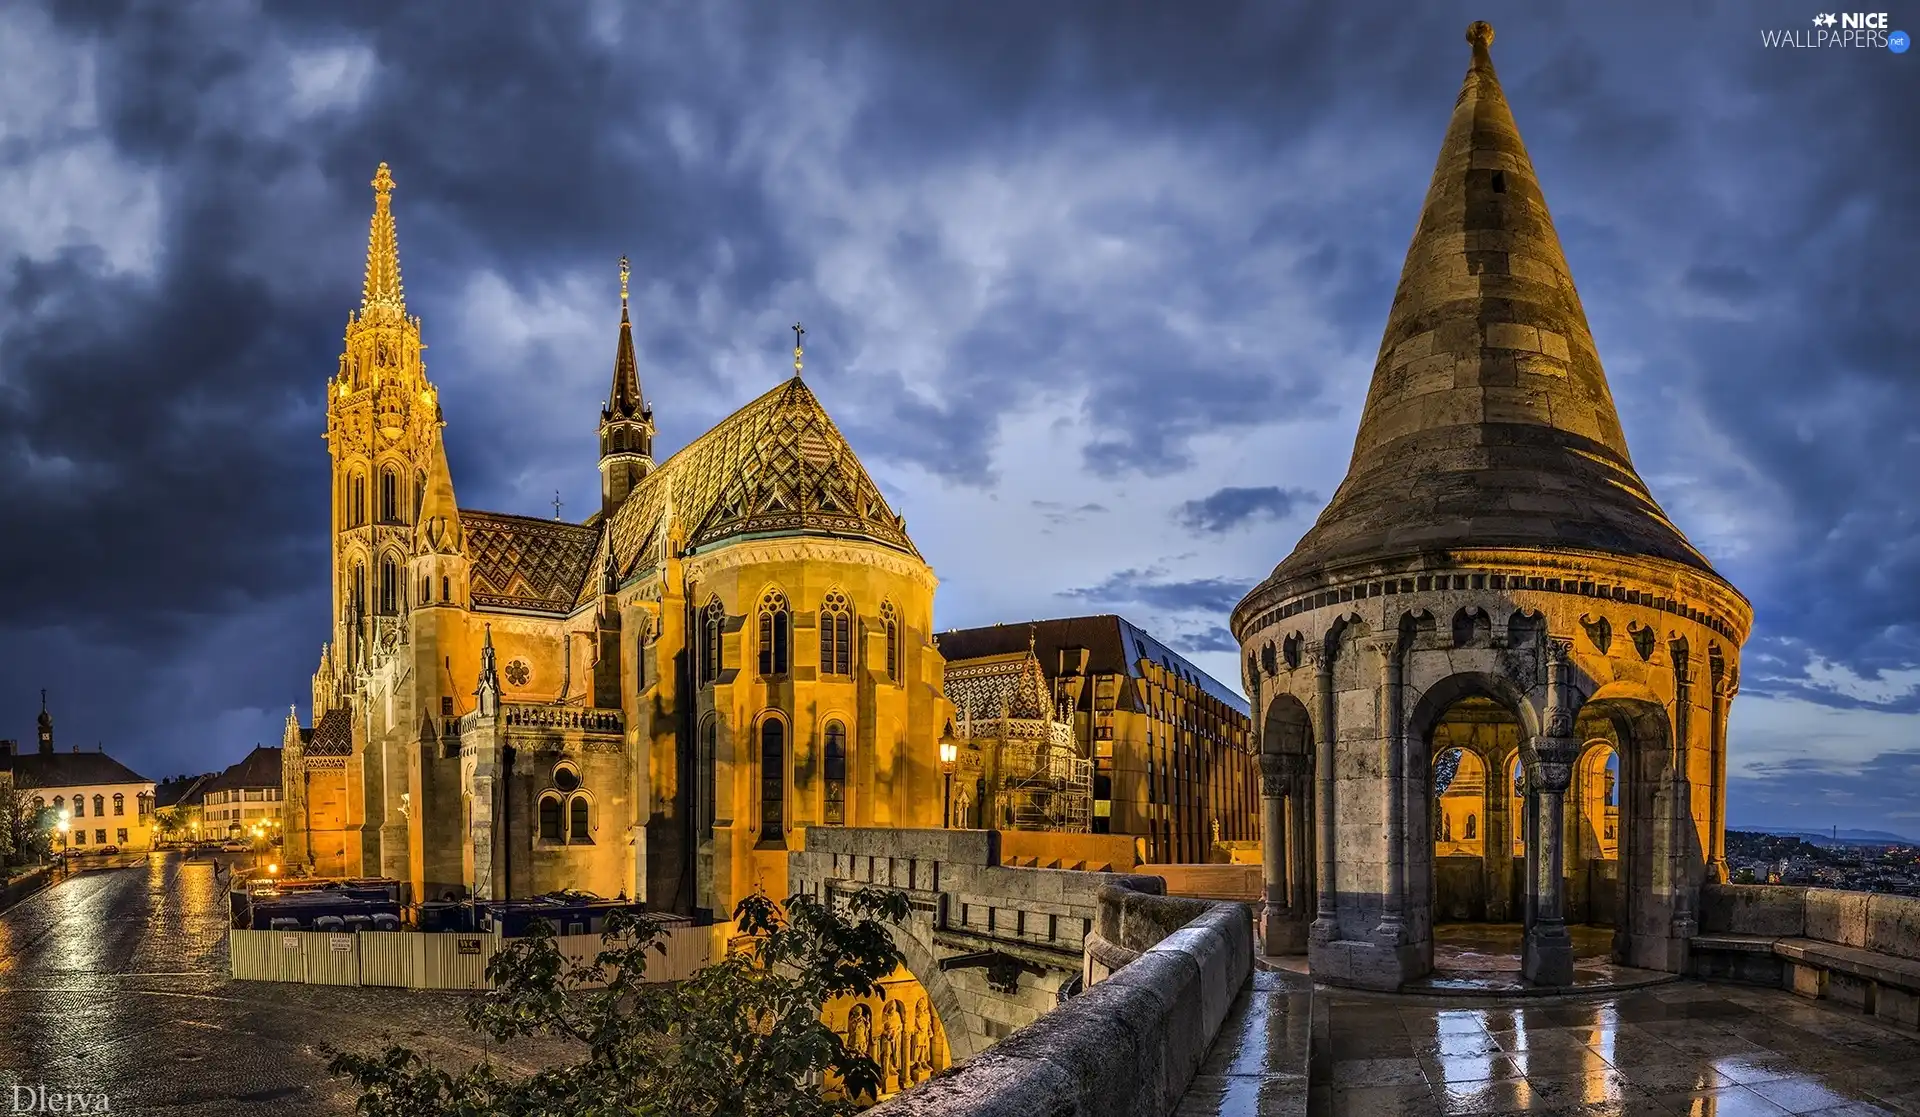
x=66 y=825
x=948 y=753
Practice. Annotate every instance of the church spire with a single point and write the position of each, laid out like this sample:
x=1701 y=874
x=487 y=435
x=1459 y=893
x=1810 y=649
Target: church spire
x=382 y=286
x=1489 y=422
x=625 y=400
x=626 y=422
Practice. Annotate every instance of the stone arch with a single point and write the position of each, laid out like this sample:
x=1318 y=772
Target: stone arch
x=1286 y=728
x=963 y=1042
x=1630 y=717
x=1432 y=704
x=1472 y=627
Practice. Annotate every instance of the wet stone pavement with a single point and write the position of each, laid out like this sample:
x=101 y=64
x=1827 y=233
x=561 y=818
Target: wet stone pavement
x=1684 y=1048
x=115 y=982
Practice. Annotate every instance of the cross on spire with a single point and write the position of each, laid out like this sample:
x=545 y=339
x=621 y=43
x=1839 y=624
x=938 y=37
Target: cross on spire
x=623 y=287
x=799 y=332
x=556 y=504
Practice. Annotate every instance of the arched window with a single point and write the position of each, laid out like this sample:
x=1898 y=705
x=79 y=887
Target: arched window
x=389 y=495
x=703 y=775
x=357 y=500
x=358 y=591
x=60 y=802
x=550 y=819
x=79 y=805
x=446 y=588
x=119 y=803
x=579 y=830
x=99 y=806
x=774 y=623
x=836 y=635
x=892 y=622
x=712 y=620
x=773 y=780
x=389 y=586
x=39 y=804
x=835 y=768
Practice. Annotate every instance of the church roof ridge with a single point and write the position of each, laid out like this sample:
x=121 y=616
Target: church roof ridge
x=1488 y=420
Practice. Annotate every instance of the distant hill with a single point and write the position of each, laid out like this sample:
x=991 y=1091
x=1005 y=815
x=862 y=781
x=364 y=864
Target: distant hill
x=1844 y=837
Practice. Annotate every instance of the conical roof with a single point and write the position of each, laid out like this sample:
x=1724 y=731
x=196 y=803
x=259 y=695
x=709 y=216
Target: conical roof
x=438 y=530
x=382 y=285
x=1489 y=422
x=624 y=399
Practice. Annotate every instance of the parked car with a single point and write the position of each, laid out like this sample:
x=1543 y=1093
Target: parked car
x=109 y=849
x=235 y=846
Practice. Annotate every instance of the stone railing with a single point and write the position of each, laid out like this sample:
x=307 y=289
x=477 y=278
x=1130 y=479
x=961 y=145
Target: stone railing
x=1166 y=972
x=1857 y=948
x=583 y=719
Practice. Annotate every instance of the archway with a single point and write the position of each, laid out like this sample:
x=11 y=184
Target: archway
x=1286 y=791
x=1593 y=848
x=1628 y=733
x=1459 y=836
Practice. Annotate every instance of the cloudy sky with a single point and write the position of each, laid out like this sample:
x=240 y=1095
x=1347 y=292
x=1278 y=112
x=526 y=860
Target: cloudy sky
x=1095 y=291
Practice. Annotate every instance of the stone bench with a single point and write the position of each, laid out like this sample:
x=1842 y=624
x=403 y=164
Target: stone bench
x=1856 y=948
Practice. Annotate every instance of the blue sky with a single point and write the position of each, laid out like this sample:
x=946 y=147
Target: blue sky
x=1094 y=291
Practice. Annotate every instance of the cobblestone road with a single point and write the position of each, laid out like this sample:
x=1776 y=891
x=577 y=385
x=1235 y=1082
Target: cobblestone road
x=115 y=982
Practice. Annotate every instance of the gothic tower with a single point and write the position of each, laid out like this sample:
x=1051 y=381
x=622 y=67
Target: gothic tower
x=626 y=422
x=382 y=418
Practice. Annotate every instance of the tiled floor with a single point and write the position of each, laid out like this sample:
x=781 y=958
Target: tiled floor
x=1685 y=1048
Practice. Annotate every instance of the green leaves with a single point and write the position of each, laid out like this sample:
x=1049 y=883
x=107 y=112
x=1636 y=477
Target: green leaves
x=743 y=1037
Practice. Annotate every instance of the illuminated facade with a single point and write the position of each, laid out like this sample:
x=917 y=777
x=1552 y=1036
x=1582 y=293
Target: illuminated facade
x=649 y=703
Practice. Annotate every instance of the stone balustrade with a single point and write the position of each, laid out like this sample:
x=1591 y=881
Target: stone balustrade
x=1166 y=973
x=580 y=718
x=1856 y=948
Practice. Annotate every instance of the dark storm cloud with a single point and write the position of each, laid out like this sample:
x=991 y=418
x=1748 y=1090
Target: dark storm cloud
x=1223 y=205
x=1228 y=508
x=1813 y=793
x=1212 y=596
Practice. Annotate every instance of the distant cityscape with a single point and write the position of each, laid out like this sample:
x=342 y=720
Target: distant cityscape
x=1866 y=861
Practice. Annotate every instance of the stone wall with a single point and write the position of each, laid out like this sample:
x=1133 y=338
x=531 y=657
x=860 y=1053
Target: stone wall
x=1857 y=948
x=1131 y=1043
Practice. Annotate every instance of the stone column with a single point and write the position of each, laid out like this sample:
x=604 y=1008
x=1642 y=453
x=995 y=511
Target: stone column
x=1299 y=843
x=1685 y=831
x=1391 y=930
x=1723 y=687
x=1282 y=920
x=1326 y=922
x=1496 y=847
x=1547 y=957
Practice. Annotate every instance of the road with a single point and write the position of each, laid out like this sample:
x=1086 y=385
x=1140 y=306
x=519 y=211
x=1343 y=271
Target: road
x=114 y=982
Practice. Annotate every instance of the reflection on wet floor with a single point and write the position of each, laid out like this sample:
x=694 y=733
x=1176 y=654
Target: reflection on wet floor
x=1686 y=1048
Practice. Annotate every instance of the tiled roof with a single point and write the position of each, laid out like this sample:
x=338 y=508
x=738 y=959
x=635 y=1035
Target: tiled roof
x=523 y=562
x=260 y=768
x=333 y=734
x=1115 y=646
x=187 y=790
x=1010 y=685
x=68 y=769
x=777 y=466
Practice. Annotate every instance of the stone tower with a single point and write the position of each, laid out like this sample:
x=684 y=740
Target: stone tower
x=1493 y=576
x=382 y=421
x=626 y=422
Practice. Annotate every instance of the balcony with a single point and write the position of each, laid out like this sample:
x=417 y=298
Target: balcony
x=577 y=718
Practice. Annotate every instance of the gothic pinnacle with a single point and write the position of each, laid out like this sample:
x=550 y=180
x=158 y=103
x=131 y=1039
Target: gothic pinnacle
x=382 y=287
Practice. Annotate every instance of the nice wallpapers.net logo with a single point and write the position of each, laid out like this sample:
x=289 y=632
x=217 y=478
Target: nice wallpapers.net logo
x=1840 y=29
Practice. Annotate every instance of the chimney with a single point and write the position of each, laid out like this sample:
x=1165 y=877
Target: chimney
x=9 y=748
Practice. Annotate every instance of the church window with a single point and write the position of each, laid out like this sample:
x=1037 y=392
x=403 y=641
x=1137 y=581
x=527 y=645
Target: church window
x=566 y=778
x=712 y=621
x=836 y=636
x=446 y=588
x=426 y=589
x=357 y=500
x=578 y=810
x=99 y=806
x=773 y=780
x=774 y=623
x=389 y=586
x=79 y=806
x=836 y=774
x=550 y=818
x=119 y=803
x=359 y=590
x=709 y=751
x=891 y=620
x=59 y=802
x=389 y=496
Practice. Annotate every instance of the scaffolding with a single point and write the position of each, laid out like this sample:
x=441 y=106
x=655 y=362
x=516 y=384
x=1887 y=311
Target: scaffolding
x=1045 y=784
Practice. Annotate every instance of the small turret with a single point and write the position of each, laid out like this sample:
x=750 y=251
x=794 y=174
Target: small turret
x=626 y=422
x=46 y=725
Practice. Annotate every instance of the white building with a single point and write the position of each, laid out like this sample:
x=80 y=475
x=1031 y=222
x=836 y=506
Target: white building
x=106 y=802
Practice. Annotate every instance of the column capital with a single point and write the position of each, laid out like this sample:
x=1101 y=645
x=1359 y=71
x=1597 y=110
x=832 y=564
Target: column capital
x=1278 y=770
x=1550 y=760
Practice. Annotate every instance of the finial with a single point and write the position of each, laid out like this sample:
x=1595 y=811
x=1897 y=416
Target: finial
x=556 y=504
x=1480 y=33
x=623 y=286
x=799 y=332
x=43 y=700
x=382 y=180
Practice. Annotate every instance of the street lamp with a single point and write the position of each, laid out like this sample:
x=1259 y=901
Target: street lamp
x=948 y=753
x=66 y=825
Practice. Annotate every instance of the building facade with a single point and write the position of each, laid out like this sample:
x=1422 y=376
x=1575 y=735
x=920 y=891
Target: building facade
x=103 y=802
x=1492 y=593
x=245 y=800
x=1170 y=746
x=734 y=647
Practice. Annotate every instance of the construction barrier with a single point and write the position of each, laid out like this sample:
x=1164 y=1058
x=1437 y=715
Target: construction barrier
x=414 y=960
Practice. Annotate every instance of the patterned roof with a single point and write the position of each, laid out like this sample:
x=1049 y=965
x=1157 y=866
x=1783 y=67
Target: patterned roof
x=776 y=466
x=333 y=734
x=1005 y=685
x=526 y=563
